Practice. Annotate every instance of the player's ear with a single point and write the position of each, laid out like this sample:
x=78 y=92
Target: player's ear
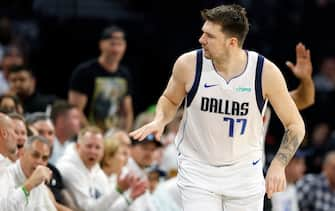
x=233 y=41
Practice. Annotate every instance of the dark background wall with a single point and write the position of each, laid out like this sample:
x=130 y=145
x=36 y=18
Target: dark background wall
x=64 y=33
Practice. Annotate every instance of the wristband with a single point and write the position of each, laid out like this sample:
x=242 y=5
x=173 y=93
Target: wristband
x=26 y=194
x=118 y=190
x=127 y=198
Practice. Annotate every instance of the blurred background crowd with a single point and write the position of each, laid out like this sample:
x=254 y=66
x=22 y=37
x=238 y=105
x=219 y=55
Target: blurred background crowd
x=76 y=76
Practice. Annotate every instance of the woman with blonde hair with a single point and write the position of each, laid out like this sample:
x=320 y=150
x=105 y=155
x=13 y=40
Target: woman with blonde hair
x=114 y=159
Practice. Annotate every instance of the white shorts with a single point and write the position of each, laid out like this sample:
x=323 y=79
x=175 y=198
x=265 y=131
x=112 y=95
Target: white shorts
x=239 y=187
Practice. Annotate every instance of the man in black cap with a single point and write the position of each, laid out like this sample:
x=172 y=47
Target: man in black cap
x=101 y=87
x=142 y=154
x=140 y=160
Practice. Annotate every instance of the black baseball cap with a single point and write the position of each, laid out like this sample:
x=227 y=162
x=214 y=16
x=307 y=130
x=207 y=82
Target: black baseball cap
x=109 y=33
x=148 y=139
x=156 y=168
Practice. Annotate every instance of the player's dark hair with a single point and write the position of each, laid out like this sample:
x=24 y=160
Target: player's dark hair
x=232 y=18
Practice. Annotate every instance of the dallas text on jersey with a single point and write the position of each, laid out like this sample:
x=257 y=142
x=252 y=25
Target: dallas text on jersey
x=221 y=106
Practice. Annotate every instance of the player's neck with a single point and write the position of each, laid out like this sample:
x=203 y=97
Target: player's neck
x=232 y=64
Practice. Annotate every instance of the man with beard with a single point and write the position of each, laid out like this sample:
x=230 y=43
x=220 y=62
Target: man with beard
x=22 y=82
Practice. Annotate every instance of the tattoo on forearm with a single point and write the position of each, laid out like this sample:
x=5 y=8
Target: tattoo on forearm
x=288 y=147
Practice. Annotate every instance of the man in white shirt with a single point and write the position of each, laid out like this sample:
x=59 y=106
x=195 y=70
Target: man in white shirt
x=45 y=128
x=66 y=120
x=86 y=181
x=142 y=156
x=30 y=194
x=7 y=141
x=16 y=199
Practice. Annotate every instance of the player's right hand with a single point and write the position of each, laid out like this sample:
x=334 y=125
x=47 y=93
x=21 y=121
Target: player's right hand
x=155 y=128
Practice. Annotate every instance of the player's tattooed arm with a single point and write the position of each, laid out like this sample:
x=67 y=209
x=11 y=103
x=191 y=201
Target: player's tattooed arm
x=288 y=147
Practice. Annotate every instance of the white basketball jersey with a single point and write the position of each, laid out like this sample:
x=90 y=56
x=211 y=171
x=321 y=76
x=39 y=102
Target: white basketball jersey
x=222 y=121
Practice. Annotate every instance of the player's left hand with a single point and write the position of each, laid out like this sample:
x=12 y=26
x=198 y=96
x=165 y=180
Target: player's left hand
x=303 y=67
x=275 y=180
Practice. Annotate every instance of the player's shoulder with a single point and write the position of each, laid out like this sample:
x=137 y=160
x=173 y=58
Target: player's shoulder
x=268 y=65
x=184 y=67
x=272 y=77
x=187 y=59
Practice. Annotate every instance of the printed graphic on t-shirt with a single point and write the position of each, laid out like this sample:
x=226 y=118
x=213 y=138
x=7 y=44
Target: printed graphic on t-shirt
x=107 y=98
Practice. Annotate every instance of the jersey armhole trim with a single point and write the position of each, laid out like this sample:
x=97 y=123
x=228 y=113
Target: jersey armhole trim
x=198 y=68
x=258 y=83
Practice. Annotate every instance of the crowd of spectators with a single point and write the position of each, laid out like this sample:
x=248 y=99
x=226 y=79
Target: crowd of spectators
x=67 y=148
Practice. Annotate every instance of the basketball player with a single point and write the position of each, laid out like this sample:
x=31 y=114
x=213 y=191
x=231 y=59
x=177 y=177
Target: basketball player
x=220 y=136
